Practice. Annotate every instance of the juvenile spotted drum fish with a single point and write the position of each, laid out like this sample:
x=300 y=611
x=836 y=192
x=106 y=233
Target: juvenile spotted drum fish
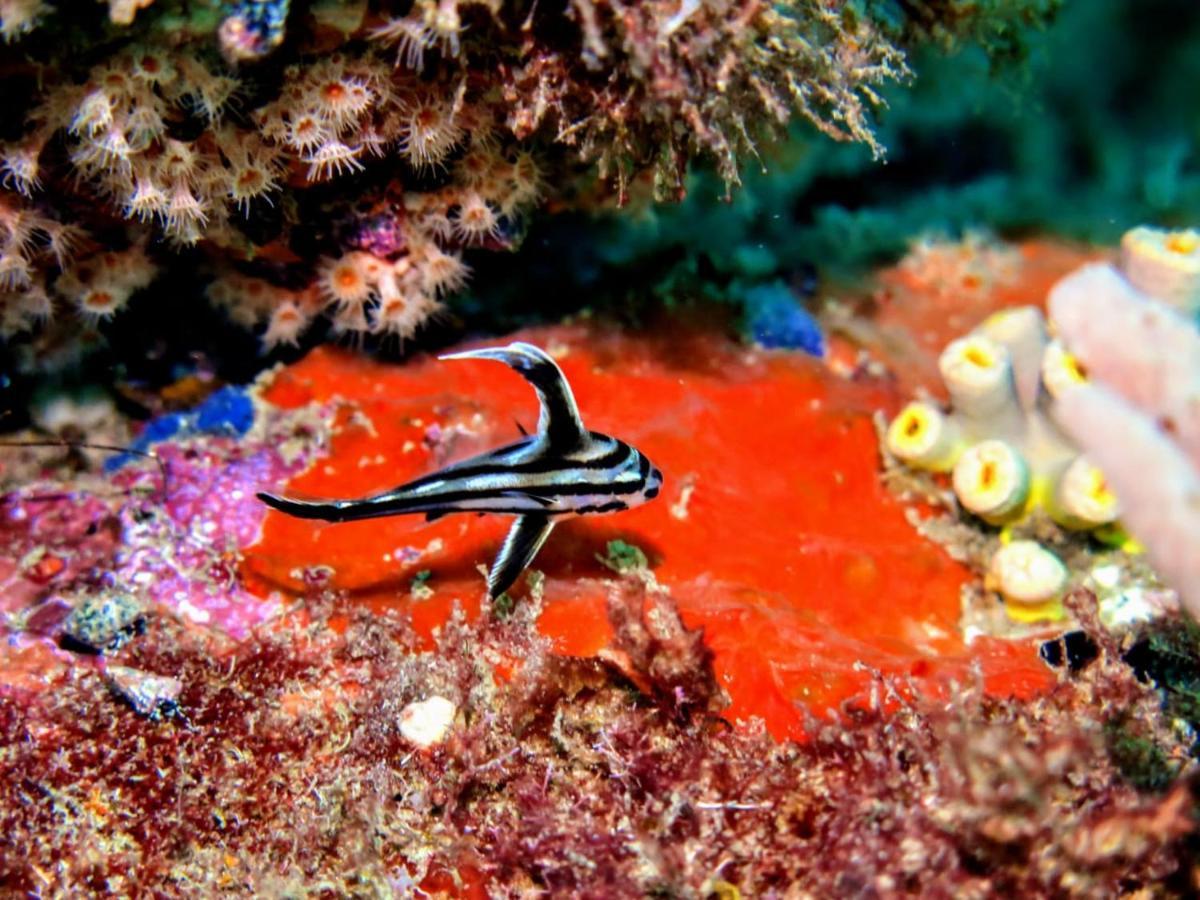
x=561 y=470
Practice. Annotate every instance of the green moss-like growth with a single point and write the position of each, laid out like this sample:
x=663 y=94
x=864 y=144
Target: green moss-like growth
x=1169 y=656
x=1140 y=760
x=622 y=557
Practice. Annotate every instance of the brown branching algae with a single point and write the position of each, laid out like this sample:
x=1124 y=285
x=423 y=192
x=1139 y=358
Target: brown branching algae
x=293 y=770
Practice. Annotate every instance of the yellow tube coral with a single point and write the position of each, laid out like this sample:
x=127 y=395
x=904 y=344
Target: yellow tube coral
x=924 y=438
x=1082 y=498
x=991 y=479
x=1164 y=264
x=1061 y=370
x=977 y=372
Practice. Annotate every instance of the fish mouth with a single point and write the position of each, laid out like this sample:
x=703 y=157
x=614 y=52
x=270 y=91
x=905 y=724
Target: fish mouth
x=653 y=483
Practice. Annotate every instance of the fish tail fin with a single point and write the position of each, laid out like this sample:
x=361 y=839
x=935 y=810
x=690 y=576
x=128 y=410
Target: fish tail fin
x=339 y=510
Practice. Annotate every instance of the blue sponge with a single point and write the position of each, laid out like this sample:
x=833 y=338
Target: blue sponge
x=775 y=318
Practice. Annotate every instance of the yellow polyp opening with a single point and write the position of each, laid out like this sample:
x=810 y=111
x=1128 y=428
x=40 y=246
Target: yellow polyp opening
x=909 y=431
x=912 y=425
x=977 y=356
x=1182 y=242
x=1075 y=369
x=1100 y=491
x=987 y=476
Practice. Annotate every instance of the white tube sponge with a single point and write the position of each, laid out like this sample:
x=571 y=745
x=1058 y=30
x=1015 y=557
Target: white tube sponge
x=1164 y=264
x=1141 y=348
x=1158 y=486
x=1023 y=332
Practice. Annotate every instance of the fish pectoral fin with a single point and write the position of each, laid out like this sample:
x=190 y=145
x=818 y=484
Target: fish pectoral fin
x=524 y=540
x=559 y=424
x=518 y=494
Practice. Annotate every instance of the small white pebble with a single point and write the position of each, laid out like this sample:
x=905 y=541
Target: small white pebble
x=971 y=632
x=1106 y=576
x=200 y=616
x=425 y=722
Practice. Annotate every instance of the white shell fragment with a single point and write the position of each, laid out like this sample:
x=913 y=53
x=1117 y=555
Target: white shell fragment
x=149 y=695
x=426 y=722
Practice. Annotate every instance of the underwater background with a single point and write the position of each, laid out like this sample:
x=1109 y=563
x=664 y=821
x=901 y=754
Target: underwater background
x=884 y=584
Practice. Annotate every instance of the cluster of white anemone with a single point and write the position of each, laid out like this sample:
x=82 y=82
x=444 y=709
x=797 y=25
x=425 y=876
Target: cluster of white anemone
x=118 y=139
x=19 y=17
x=363 y=293
x=30 y=242
x=368 y=294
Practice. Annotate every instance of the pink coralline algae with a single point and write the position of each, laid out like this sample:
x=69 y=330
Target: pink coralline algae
x=169 y=536
x=184 y=556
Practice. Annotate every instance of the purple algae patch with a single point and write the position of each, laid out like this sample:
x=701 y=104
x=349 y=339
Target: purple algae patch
x=184 y=554
x=167 y=531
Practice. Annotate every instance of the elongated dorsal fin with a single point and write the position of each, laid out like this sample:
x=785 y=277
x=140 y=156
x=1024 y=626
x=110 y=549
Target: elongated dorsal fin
x=559 y=424
x=524 y=540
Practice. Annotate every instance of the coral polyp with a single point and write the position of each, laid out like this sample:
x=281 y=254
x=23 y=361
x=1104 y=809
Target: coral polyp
x=477 y=101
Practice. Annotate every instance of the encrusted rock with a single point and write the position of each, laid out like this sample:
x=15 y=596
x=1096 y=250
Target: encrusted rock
x=104 y=623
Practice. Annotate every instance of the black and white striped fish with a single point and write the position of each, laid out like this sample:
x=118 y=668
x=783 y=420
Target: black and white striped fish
x=562 y=470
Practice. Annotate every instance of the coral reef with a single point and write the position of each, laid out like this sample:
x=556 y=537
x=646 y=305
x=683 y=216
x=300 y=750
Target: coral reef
x=332 y=707
x=794 y=674
x=1039 y=510
x=1010 y=466
x=490 y=109
x=748 y=552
